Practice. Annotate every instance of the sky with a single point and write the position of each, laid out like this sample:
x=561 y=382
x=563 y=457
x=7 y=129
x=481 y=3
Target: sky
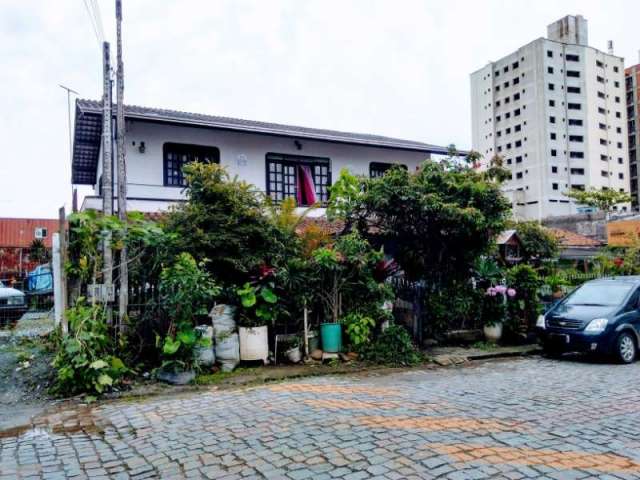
x=392 y=67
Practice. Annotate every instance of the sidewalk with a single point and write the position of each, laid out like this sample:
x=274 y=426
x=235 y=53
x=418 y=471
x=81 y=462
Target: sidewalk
x=457 y=355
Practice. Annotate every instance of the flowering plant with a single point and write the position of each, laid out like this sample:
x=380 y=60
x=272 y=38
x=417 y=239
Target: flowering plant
x=494 y=308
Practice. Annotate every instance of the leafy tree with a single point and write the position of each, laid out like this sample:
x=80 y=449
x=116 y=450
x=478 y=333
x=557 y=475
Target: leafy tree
x=537 y=242
x=225 y=221
x=38 y=252
x=435 y=222
x=603 y=200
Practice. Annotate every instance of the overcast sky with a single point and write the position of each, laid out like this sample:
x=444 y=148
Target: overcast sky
x=394 y=67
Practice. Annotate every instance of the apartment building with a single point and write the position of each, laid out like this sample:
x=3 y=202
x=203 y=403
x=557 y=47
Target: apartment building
x=632 y=85
x=554 y=110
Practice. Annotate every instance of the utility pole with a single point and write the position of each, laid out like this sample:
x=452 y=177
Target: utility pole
x=123 y=297
x=107 y=169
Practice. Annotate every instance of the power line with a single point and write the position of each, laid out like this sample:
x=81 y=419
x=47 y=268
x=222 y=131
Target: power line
x=98 y=16
x=93 y=22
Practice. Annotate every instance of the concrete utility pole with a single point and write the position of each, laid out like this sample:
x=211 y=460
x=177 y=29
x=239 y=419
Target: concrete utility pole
x=123 y=300
x=107 y=166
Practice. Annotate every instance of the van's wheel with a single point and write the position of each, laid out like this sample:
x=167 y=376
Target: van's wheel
x=625 y=348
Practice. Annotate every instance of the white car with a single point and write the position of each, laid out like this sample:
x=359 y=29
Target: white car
x=12 y=304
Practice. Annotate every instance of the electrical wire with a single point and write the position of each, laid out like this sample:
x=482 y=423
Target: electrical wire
x=94 y=25
x=98 y=16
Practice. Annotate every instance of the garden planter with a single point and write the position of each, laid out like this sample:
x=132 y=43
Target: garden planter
x=314 y=341
x=176 y=378
x=331 y=335
x=294 y=355
x=254 y=344
x=493 y=333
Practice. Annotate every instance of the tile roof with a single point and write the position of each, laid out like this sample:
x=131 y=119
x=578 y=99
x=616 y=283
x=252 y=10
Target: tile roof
x=567 y=238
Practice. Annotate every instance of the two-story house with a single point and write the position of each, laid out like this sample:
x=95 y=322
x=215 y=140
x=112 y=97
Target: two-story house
x=280 y=160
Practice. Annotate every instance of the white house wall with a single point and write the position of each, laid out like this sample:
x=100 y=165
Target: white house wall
x=243 y=154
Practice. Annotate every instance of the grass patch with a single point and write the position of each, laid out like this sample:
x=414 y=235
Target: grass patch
x=485 y=346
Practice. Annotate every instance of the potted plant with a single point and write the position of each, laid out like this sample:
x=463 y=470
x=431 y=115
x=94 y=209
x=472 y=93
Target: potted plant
x=178 y=353
x=293 y=353
x=186 y=290
x=331 y=267
x=555 y=283
x=258 y=309
x=494 y=311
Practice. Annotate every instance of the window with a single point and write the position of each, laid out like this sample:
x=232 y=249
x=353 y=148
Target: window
x=619 y=144
x=554 y=152
x=577 y=171
x=602 y=111
x=515 y=65
x=576 y=154
x=516 y=96
x=574 y=106
x=621 y=176
x=599 y=64
x=517 y=128
x=552 y=119
x=576 y=138
x=553 y=135
x=549 y=54
x=576 y=187
x=616 y=69
x=618 y=115
x=519 y=159
x=603 y=141
x=552 y=103
x=575 y=122
x=616 y=84
x=573 y=73
x=516 y=112
x=177 y=155
x=617 y=99
x=291 y=176
x=519 y=175
x=505 y=69
x=602 y=126
x=518 y=143
x=516 y=80
x=604 y=173
x=554 y=169
x=554 y=186
x=40 y=233
x=497 y=103
x=600 y=79
x=505 y=84
x=604 y=158
x=552 y=86
x=572 y=58
x=573 y=89
x=550 y=70
x=378 y=169
x=601 y=95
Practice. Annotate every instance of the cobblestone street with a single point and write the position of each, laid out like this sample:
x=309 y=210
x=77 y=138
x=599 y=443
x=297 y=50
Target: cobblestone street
x=525 y=418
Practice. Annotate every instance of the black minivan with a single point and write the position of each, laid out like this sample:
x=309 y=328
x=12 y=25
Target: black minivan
x=601 y=316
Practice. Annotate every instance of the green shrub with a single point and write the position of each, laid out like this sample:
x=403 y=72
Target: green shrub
x=186 y=290
x=359 y=329
x=526 y=282
x=178 y=347
x=85 y=361
x=392 y=347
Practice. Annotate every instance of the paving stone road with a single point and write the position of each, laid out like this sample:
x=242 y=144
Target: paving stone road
x=524 y=418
